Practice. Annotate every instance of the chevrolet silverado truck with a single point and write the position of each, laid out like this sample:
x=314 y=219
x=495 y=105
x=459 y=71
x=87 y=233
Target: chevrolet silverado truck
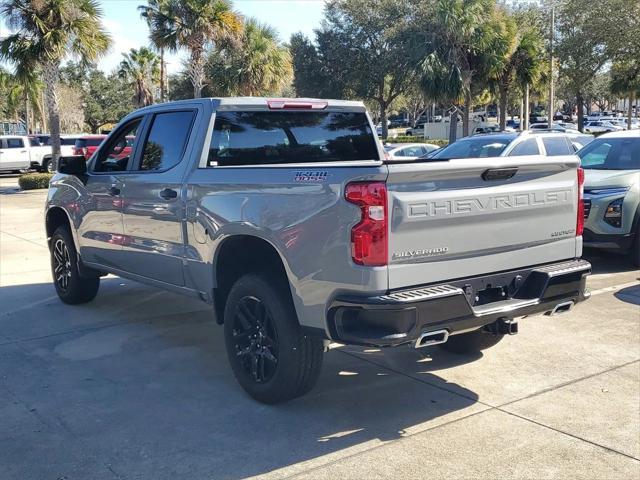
x=283 y=215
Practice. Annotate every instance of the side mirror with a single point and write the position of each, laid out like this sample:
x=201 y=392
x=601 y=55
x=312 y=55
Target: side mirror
x=73 y=165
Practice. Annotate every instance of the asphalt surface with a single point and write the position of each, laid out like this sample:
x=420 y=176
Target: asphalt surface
x=135 y=385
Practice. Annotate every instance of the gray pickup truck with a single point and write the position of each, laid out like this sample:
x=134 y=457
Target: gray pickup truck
x=283 y=215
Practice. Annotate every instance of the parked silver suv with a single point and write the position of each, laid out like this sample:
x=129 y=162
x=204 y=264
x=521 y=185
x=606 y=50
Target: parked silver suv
x=612 y=192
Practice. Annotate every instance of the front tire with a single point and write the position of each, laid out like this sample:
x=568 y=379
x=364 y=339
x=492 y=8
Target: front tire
x=70 y=285
x=270 y=355
x=471 y=342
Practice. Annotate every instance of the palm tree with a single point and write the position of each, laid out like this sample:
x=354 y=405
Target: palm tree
x=21 y=93
x=259 y=66
x=521 y=64
x=625 y=80
x=192 y=25
x=46 y=32
x=462 y=47
x=141 y=68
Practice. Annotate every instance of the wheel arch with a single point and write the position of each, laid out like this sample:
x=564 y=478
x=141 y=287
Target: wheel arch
x=56 y=217
x=238 y=255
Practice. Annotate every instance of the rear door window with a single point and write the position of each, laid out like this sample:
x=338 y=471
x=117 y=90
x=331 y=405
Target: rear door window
x=267 y=138
x=166 y=141
x=15 y=143
x=557 y=146
x=528 y=147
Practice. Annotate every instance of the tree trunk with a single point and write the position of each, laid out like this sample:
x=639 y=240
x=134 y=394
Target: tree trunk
x=521 y=111
x=196 y=71
x=43 y=115
x=453 y=125
x=503 y=107
x=630 y=111
x=466 y=115
x=383 y=120
x=50 y=70
x=580 y=106
x=525 y=121
x=162 y=86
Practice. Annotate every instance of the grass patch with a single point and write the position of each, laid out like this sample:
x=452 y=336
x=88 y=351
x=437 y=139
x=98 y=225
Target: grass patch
x=441 y=142
x=34 y=181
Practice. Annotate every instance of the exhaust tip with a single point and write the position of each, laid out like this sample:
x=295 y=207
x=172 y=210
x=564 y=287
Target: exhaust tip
x=432 y=338
x=563 y=307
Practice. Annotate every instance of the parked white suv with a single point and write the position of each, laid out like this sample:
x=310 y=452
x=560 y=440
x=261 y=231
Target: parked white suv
x=548 y=144
x=14 y=153
x=21 y=152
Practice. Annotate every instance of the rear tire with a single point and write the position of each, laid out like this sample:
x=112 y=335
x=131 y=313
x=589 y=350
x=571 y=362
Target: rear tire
x=270 y=355
x=471 y=342
x=47 y=166
x=70 y=285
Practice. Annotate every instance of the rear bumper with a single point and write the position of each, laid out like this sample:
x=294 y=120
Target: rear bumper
x=402 y=316
x=616 y=241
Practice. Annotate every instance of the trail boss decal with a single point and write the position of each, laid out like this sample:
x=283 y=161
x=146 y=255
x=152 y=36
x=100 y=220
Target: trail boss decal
x=310 y=176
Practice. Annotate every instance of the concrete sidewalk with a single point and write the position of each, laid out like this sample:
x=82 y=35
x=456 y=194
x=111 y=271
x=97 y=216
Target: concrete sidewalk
x=136 y=385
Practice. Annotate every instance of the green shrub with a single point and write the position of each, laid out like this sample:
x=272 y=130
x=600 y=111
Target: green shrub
x=441 y=142
x=33 y=181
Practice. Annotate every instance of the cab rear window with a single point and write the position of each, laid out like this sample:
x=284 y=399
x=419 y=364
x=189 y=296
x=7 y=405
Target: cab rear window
x=267 y=138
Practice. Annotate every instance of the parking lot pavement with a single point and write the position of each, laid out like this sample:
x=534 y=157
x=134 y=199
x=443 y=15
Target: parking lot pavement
x=136 y=385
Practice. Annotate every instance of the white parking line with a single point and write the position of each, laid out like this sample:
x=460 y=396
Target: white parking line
x=614 y=288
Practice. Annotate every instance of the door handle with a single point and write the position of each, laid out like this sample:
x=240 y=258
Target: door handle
x=168 y=194
x=114 y=191
x=499 y=173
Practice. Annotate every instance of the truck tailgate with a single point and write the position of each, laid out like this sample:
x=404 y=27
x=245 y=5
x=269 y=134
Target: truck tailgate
x=458 y=218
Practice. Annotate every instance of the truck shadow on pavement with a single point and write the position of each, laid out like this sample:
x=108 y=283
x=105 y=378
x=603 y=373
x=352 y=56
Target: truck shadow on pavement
x=629 y=295
x=608 y=262
x=139 y=380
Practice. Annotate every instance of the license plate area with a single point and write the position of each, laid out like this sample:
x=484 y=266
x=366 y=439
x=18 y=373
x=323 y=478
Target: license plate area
x=491 y=294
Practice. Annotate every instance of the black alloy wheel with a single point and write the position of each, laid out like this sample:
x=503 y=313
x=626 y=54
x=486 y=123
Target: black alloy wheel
x=256 y=340
x=61 y=264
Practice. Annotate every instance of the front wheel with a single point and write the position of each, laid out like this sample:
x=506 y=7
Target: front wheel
x=270 y=355
x=72 y=287
x=471 y=342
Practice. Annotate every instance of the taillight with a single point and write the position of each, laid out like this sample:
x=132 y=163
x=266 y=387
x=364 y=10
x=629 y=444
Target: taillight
x=283 y=104
x=580 y=219
x=369 y=239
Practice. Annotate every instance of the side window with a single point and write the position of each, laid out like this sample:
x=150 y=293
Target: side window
x=556 y=146
x=596 y=156
x=528 y=147
x=114 y=157
x=15 y=143
x=167 y=140
x=413 y=151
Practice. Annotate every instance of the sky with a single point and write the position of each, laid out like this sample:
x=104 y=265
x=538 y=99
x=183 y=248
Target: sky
x=122 y=19
x=128 y=30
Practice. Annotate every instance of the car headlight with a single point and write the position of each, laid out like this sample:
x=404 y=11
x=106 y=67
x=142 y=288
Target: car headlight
x=613 y=213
